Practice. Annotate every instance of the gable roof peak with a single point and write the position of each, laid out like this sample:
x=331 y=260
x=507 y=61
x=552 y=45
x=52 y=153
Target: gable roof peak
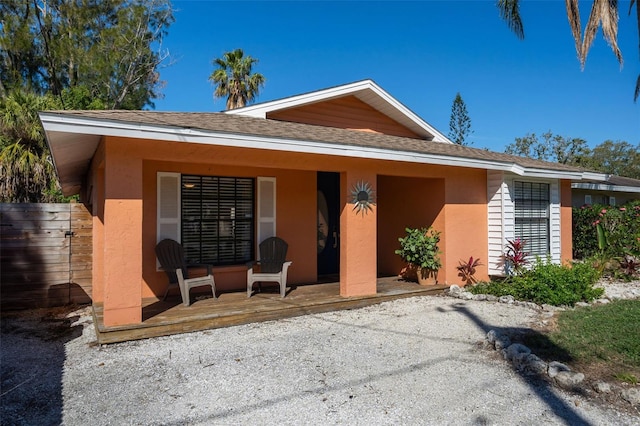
x=366 y=91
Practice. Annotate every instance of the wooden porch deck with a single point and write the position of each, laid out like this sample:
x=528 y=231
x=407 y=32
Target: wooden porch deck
x=171 y=317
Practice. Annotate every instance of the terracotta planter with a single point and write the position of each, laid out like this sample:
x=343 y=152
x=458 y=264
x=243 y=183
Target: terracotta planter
x=427 y=276
x=409 y=273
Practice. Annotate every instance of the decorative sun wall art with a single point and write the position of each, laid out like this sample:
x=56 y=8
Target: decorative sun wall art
x=362 y=197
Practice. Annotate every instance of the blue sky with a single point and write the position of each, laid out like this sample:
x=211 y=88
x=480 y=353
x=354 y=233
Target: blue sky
x=422 y=53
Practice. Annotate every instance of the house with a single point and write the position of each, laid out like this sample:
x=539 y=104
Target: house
x=615 y=190
x=222 y=182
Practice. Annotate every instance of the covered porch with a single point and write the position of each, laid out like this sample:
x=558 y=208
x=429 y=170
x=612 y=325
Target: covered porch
x=161 y=318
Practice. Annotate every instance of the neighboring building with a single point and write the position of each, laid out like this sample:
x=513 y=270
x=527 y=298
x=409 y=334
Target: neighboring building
x=615 y=191
x=222 y=182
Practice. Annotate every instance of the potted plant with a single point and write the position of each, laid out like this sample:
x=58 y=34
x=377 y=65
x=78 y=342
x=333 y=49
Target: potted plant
x=419 y=248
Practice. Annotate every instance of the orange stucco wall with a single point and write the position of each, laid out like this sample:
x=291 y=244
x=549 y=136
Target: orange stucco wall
x=97 y=180
x=345 y=113
x=295 y=214
x=566 y=222
x=451 y=199
x=405 y=202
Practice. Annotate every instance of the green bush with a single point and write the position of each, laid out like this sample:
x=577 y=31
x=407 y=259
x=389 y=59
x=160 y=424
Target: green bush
x=585 y=239
x=548 y=283
x=620 y=224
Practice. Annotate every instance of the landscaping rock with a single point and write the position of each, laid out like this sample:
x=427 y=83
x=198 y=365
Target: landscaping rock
x=534 y=365
x=491 y=298
x=502 y=342
x=480 y=297
x=548 y=308
x=465 y=295
x=556 y=367
x=602 y=301
x=516 y=351
x=507 y=299
x=568 y=379
x=631 y=395
x=582 y=304
x=454 y=290
x=491 y=336
x=602 y=387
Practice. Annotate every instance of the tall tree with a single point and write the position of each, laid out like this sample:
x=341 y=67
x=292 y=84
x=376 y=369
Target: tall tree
x=617 y=158
x=26 y=169
x=459 y=123
x=234 y=79
x=26 y=172
x=70 y=54
x=111 y=47
x=550 y=147
x=604 y=14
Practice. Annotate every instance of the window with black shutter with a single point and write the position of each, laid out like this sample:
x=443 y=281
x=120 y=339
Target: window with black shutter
x=217 y=219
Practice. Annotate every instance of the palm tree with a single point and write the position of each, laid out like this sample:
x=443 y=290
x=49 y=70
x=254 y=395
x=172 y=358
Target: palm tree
x=233 y=79
x=26 y=171
x=604 y=13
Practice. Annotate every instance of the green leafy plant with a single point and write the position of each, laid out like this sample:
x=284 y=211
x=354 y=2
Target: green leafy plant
x=548 y=283
x=467 y=270
x=419 y=247
x=612 y=231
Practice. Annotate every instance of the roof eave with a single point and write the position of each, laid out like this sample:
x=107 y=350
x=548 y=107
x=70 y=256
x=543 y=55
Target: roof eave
x=396 y=110
x=56 y=125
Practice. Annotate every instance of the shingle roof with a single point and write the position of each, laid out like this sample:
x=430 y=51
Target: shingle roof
x=241 y=125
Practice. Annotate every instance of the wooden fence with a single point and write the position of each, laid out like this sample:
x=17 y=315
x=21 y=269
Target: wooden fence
x=45 y=255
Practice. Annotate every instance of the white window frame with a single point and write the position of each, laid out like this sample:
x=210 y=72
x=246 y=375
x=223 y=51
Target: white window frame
x=266 y=223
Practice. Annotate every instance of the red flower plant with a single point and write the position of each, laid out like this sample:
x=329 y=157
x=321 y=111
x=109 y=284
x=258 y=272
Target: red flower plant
x=467 y=270
x=516 y=257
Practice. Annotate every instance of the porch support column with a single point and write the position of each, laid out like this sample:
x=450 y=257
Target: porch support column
x=122 y=237
x=358 y=253
x=566 y=222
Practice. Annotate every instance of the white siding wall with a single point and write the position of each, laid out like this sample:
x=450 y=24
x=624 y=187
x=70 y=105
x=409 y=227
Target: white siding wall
x=496 y=188
x=501 y=214
x=554 y=221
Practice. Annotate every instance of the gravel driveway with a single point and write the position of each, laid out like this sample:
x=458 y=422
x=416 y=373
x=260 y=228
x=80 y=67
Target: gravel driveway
x=412 y=362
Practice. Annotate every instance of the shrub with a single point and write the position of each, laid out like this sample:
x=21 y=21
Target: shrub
x=548 y=283
x=420 y=248
x=619 y=226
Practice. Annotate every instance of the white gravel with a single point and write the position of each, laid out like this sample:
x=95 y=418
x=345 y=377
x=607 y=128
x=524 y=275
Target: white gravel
x=412 y=362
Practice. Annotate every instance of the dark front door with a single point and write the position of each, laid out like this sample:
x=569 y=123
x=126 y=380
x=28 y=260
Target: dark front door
x=328 y=223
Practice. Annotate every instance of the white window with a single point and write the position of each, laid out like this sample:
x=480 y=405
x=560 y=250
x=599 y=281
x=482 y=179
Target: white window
x=532 y=207
x=587 y=199
x=612 y=201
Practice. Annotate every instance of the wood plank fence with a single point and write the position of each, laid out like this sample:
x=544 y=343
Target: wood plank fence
x=45 y=255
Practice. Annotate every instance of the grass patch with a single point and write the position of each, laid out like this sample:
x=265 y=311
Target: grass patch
x=602 y=338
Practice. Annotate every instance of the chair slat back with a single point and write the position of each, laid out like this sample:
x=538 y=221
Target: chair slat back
x=273 y=254
x=171 y=256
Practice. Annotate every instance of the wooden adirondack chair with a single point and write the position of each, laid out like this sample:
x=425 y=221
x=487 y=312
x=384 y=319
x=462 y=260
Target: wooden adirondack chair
x=170 y=253
x=272 y=266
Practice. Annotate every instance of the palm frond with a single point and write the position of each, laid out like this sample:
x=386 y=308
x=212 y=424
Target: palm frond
x=573 y=13
x=603 y=13
x=510 y=12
